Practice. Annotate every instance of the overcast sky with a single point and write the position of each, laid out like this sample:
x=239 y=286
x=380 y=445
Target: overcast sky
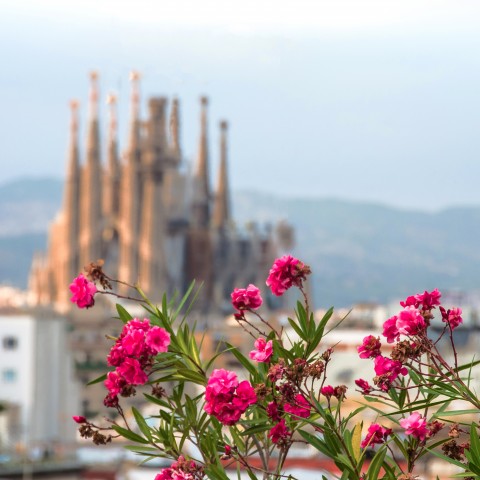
x=368 y=100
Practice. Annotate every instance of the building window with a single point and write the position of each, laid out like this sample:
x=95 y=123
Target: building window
x=10 y=343
x=9 y=375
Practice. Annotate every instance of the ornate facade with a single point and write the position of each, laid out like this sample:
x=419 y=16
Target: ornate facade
x=153 y=219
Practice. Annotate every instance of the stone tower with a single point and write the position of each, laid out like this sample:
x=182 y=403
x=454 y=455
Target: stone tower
x=154 y=220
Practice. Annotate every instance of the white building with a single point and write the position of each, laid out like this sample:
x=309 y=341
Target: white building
x=37 y=380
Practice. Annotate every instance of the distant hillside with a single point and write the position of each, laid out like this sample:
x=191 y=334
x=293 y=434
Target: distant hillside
x=358 y=251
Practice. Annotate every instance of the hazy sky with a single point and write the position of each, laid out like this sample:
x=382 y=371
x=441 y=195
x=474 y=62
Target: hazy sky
x=371 y=100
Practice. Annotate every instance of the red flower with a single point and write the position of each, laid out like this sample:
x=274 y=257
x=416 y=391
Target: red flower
x=79 y=419
x=376 y=435
x=279 y=432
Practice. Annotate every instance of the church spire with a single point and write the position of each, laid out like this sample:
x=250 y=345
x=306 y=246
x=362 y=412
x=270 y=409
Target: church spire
x=130 y=208
x=90 y=241
x=112 y=175
x=175 y=129
x=201 y=197
x=68 y=257
x=134 y=139
x=221 y=212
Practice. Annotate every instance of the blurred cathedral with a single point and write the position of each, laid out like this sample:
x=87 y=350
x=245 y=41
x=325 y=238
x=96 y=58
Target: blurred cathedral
x=153 y=219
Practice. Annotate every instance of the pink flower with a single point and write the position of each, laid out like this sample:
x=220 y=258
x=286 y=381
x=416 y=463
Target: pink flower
x=279 y=432
x=415 y=425
x=136 y=324
x=328 y=391
x=225 y=398
x=165 y=474
x=411 y=301
x=410 y=321
x=376 y=435
x=370 y=347
x=246 y=298
x=132 y=372
x=301 y=407
x=452 y=317
x=364 y=385
x=222 y=381
x=263 y=352
x=388 y=368
x=158 y=339
x=244 y=395
x=286 y=272
x=114 y=383
x=429 y=300
x=133 y=342
x=390 y=330
x=79 y=419
x=83 y=292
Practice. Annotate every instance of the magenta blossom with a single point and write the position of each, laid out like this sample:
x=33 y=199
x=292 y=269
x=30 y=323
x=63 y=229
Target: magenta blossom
x=263 y=352
x=410 y=321
x=452 y=317
x=114 y=383
x=328 y=391
x=301 y=408
x=376 y=435
x=158 y=339
x=415 y=425
x=279 y=432
x=246 y=298
x=83 y=292
x=79 y=419
x=390 y=330
x=364 y=385
x=226 y=398
x=131 y=370
x=286 y=272
x=389 y=369
x=429 y=299
x=370 y=347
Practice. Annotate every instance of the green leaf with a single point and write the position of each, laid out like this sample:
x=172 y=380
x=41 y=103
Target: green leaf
x=376 y=464
x=129 y=435
x=123 y=314
x=142 y=424
x=242 y=359
x=99 y=379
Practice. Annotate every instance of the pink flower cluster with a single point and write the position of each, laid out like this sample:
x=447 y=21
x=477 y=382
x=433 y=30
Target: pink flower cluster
x=246 y=298
x=263 y=351
x=182 y=469
x=226 y=398
x=286 y=272
x=83 y=292
x=132 y=354
x=408 y=322
x=415 y=425
x=376 y=435
x=428 y=300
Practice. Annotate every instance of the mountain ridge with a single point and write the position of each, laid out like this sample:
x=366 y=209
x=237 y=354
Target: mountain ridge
x=359 y=251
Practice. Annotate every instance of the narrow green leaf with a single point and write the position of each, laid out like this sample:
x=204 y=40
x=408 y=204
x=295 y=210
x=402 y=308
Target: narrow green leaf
x=129 y=435
x=123 y=314
x=99 y=379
